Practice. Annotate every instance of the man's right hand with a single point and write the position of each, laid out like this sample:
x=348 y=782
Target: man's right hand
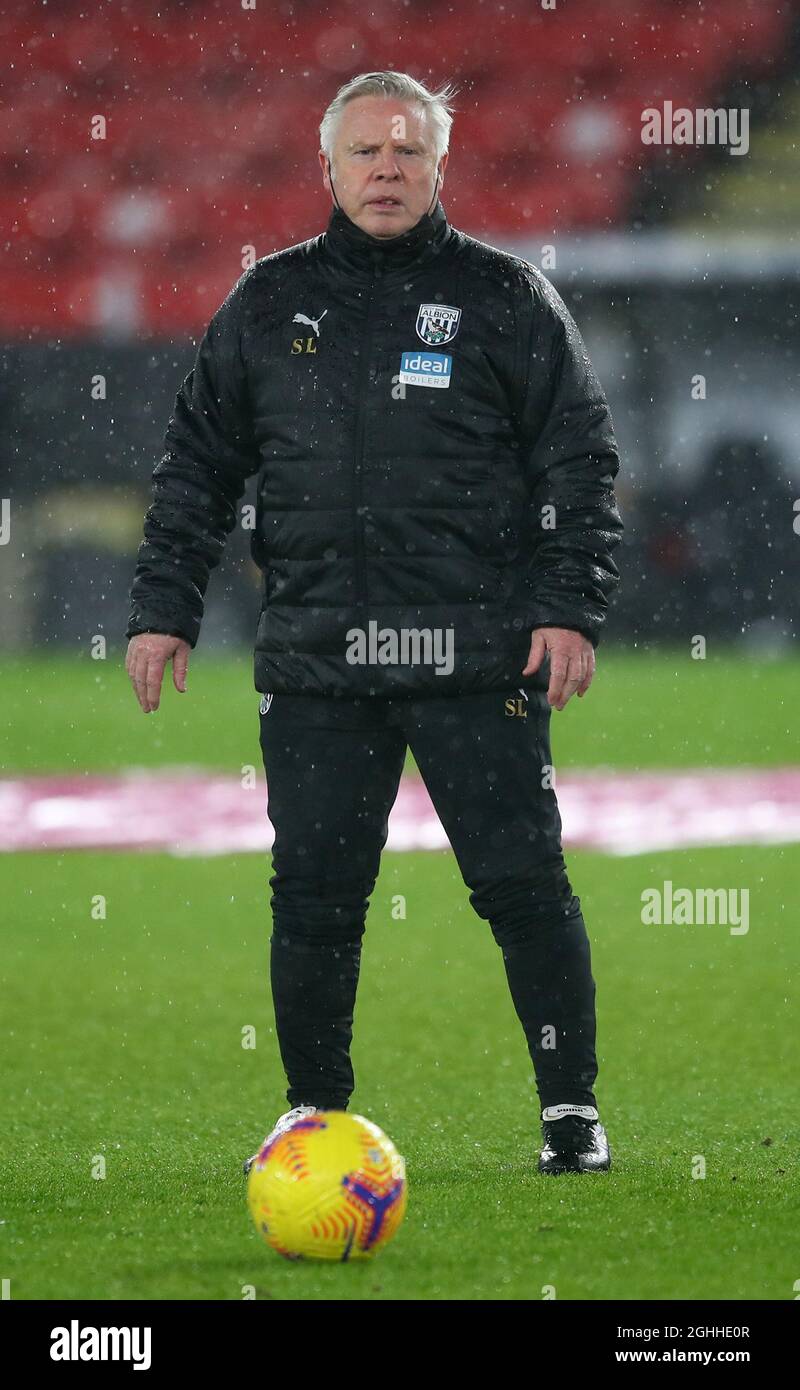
x=148 y=654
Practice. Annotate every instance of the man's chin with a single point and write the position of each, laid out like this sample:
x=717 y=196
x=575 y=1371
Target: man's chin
x=386 y=224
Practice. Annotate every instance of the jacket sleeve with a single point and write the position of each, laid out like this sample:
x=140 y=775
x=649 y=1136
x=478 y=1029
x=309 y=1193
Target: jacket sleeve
x=210 y=452
x=570 y=460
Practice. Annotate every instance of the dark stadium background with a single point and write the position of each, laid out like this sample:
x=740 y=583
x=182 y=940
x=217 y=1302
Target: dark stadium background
x=674 y=260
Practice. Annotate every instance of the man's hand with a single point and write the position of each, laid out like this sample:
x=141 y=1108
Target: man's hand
x=571 y=662
x=148 y=654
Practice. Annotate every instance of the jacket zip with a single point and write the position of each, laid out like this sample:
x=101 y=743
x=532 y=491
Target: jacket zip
x=358 y=456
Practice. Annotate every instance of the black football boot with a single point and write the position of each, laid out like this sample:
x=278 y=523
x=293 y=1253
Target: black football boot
x=574 y=1140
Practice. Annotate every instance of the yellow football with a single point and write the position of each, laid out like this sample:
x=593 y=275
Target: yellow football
x=330 y=1187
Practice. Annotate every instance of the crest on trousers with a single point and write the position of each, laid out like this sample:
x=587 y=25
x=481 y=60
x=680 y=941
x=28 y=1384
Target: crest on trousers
x=437 y=323
x=266 y=701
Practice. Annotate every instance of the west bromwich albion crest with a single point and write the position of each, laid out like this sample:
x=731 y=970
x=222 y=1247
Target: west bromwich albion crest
x=437 y=323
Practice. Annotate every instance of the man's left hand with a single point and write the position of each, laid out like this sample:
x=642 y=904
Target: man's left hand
x=572 y=662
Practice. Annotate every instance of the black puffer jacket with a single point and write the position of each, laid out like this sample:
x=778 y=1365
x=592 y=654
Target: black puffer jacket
x=435 y=453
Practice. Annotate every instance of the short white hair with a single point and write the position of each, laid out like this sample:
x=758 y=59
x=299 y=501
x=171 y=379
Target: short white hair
x=437 y=105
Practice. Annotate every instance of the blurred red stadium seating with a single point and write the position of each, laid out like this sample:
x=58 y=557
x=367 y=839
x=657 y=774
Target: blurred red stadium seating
x=212 y=135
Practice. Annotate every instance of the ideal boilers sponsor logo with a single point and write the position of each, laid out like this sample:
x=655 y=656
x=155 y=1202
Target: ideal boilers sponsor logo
x=76 y=1343
x=426 y=369
x=404 y=646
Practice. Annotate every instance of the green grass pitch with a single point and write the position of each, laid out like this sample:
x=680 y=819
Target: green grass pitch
x=123 y=1036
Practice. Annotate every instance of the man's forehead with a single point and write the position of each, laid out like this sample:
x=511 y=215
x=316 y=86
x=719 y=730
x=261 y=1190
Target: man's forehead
x=382 y=118
x=372 y=138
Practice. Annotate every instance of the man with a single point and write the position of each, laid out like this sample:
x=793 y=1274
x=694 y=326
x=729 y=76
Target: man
x=435 y=521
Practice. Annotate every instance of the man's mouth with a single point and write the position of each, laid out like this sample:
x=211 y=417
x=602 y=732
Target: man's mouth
x=384 y=203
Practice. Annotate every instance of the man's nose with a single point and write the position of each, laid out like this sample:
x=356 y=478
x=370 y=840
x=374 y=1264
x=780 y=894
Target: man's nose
x=387 y=165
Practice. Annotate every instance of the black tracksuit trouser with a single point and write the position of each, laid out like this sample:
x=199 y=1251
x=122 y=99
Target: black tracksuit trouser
x=333 y=767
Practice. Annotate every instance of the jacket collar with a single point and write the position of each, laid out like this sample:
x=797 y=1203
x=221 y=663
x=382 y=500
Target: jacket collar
x=357 y=253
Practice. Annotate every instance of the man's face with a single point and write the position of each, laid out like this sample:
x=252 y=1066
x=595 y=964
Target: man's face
x=383 y=164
